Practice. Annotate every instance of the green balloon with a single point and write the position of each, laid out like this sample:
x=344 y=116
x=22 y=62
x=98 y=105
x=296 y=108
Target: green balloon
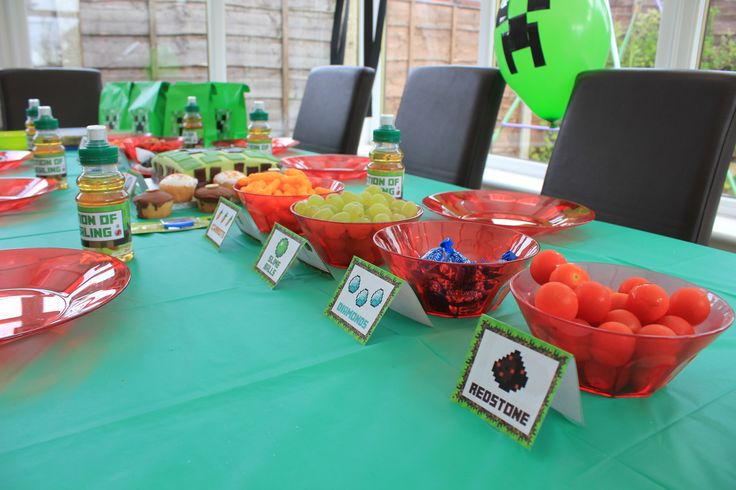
x=542 y=45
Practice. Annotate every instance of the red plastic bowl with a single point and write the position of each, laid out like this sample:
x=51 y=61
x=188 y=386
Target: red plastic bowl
x=44 y=287
x=531 y=214
x=267 y=210
x=16 y=193
x=13 y=159
x=337 y=243
x=455 y=290
x=339 y=167
x=653 y=362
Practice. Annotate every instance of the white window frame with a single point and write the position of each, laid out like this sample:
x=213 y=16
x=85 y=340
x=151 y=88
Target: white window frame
x=679 y=45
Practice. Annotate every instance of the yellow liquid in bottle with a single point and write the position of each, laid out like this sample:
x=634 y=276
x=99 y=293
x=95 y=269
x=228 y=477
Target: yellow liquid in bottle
x=30 y=133
x=100 y=191
x=49 y=159
x=259 y=138
x=386 y=170
x=191 y=130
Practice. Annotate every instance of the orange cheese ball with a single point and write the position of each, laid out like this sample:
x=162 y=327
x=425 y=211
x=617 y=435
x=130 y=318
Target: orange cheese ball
x=292 y=182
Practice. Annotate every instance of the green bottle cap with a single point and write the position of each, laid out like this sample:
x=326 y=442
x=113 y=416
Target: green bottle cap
x=387 y=132
x=46 y=121
x=98 y=151
x=192 y=105
x=32 y=110
x=259 y=113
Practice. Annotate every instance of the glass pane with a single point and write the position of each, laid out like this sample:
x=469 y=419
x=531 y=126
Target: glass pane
x=255 y=47
x=427 y=32
x=521 y=134
x=124 y=39
x=719 y=53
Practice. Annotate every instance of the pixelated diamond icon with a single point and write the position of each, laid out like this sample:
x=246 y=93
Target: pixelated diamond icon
x=376 y=298
x=354 y=284
x=362 y=298
x=281 y=247
x=510 y=373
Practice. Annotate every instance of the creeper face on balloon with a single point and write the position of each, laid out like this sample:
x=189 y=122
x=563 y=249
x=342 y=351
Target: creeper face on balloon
x=522 y=34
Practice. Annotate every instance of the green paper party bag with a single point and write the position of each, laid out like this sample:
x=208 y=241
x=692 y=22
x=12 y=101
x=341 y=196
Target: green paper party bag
x=147 y=107
x=229 y=111
x=176 y=101
x=114 y=102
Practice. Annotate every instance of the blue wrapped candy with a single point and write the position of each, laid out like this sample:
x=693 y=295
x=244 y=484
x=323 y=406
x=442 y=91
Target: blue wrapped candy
x=445 y=253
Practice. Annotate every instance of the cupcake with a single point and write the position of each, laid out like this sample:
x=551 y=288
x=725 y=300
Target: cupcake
x=181 y=186
x=153 y=204
x=228 y=178
x=208 y=196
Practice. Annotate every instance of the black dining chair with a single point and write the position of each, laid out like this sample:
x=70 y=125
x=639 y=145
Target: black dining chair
x=333 y=109
x=73 y=94
x=648 y=149
x=446 y=117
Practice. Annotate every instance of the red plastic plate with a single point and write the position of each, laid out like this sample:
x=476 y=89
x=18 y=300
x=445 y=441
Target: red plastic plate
x=12 y=159
x=528 y=213
x=44 y=287
x=16 y=193
x=338 y=167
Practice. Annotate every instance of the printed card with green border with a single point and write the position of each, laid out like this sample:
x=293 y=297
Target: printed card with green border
x=362 y=297
x=222 y=220
x=510 y=379
x=278 y=253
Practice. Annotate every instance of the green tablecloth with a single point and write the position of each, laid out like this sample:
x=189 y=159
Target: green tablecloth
x=200 y=376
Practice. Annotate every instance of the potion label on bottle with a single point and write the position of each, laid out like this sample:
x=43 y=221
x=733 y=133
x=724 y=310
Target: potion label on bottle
x=191 y=137
x=104 y=226
x=389 y=182
x=50 y=165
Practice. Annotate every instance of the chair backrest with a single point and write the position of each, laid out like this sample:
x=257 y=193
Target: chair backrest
x=446 y=117
x=648 y=149
x=333 y=109
x=73 y=94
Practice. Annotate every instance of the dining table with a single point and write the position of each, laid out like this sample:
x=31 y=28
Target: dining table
x=200 y=376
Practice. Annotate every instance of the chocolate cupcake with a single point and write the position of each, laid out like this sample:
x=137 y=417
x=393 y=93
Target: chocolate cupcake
x=208 y=196
x=153 y=204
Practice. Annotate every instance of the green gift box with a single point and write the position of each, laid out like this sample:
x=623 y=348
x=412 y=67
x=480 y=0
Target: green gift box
x=229 y=111
x=176 y=101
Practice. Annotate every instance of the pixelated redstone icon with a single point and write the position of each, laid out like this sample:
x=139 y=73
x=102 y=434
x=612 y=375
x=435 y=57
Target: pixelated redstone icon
x=510 y=373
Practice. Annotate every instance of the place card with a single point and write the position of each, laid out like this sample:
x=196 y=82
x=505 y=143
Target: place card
x=222 y=220
x=278 y=253
x=510 y=379
x=362 y=297
x=130 y=183
x=248 y=226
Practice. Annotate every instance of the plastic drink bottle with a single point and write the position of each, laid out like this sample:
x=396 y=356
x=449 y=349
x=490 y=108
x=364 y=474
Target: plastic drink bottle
x=259 y=131
x=31 y=116
x=386 y=169
x=191 y=124
x=102 y=203
x=48 y=152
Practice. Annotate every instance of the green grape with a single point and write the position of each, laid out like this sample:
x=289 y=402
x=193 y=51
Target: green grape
x=409 y=209
x=348 y=196
x=378 y=209
x=335 y=201
x=372 y=189
x=381 y=218
x=341 y=217
x=379 y=199
x=355 y=209
x=396 y=205
x=366 y=198
x=363 y=219
x=325 y=212
x=301 y=206
x=397 y=217
x=309 y=211
x=389 y=198
x=315 y=200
